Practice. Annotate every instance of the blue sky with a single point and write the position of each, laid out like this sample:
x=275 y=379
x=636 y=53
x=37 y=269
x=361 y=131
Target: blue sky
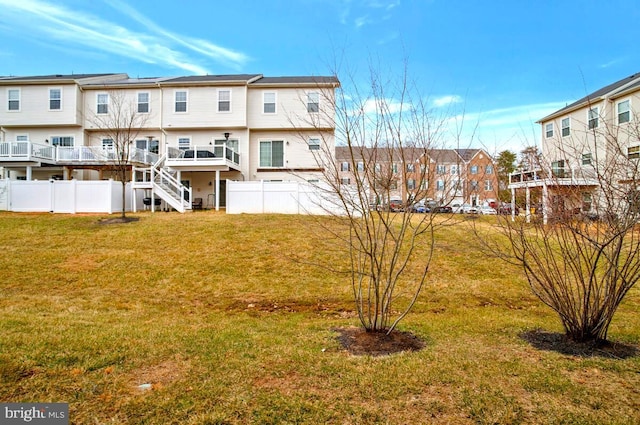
x=505 y=63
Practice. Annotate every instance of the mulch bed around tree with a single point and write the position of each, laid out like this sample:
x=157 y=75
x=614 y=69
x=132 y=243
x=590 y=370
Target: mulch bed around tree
x=359 y=342
x=118 y=220
x=558 y=342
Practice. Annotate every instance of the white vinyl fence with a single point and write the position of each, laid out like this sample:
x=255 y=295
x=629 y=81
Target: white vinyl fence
x=260 y=197
x=64 y=196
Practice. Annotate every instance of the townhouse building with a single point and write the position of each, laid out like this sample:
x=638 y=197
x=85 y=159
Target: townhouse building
x=446 y=176
x=193 y=133
x=589 y=143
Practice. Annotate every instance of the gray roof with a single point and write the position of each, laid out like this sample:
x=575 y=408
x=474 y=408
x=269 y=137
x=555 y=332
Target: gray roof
x=298 y=80
x=450 y=156
x=214 y=78
x=57 y=77
x=611 y=89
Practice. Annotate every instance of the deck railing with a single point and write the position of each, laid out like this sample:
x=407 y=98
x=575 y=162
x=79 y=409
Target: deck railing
x=209 y=153
x=26 y=150
x=564 y=173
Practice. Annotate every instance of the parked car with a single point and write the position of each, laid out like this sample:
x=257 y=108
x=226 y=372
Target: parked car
x=419 y=208
x=468 y=209
x=443 y=209
x=395 y=204
x=505 y=209
x=486 y=210
x=456 y=208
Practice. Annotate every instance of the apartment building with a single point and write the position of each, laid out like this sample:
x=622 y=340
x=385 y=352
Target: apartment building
x=192 y=133
x=592 y=141
x=447 y=176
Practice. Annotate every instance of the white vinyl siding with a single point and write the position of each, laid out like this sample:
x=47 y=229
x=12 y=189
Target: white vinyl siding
x=13 y=100
x=55 y=99
x=272 y=153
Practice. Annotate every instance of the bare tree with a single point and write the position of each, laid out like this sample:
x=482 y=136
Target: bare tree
x=120 y=124
x=389 y=133
x=586 y=258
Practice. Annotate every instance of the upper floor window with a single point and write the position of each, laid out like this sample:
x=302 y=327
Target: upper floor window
x=548 y=130
x=55 y=99
x=224 y=100
x=269 y=102
x=107 y=144
x=557 y=168
x=66 y=141
x=586 y=158
x=13 y=97
x=624 y=112
x=566 y=127
x=454 y=169
x=394 y=168
x=440 y=185
x=314 y=144
x=474 y=185
x=344 y=166
x=272 y=153
x=411 y=184
x=143 y=102
x=411 y=168
x=488 y=185
x=345 y=181
x=593 y=118
x=22 y=138
x=184 y=143
x=441 y=169
x=473 y=169
x=488 y=169
x=181 y=101
x=633 y=152
x=313 y=102
x=102 y=103
x=360 y=166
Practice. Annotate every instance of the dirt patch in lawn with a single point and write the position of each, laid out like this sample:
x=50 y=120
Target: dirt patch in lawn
x=157 y=376
x=558 y=342
x=359 y=342
x=293 y=306
x=118 y=220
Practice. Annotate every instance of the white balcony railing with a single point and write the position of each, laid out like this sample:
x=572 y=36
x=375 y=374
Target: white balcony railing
x=26 y=151
x=203 y=154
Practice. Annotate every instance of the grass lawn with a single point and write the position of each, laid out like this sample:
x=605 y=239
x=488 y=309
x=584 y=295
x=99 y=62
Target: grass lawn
x=229 y=322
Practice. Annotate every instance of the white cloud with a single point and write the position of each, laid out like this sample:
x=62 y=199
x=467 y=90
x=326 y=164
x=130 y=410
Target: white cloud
x=446 y=100
x=45 y=21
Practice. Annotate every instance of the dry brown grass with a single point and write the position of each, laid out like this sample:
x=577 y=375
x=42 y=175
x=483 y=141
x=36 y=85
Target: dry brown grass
x=227 y=320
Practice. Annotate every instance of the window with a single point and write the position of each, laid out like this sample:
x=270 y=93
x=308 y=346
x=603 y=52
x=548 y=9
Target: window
x=269 y=102
x=586 y=158
x=55 y=99
x=22 y=138
x=394 y=168
x=360 y=166
x=548 y=130
x=473 y=169
x=272 y=153
x=411 y=184
x=345 y=181
x=488 y=169
x=557 y=168
x=181 y=101
x=184 y=143
x=488 y=185
x=344 y=166
x=232 y=144
x=566 y=129
x=454 y=169
x=377 y=168
x=102 y=103
x=624 y=114
x=410 y=168
x=474 y=185
x=152 y=146
x=633 y=152
x=143 y=103
x=440 y=185
x=314 y=144
x=313 y=102
x=441 y=169
x=107 y=144
x=586 y=202
x=593 y=118
x=62 y=141
x=13 y=96
x=224 y=100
